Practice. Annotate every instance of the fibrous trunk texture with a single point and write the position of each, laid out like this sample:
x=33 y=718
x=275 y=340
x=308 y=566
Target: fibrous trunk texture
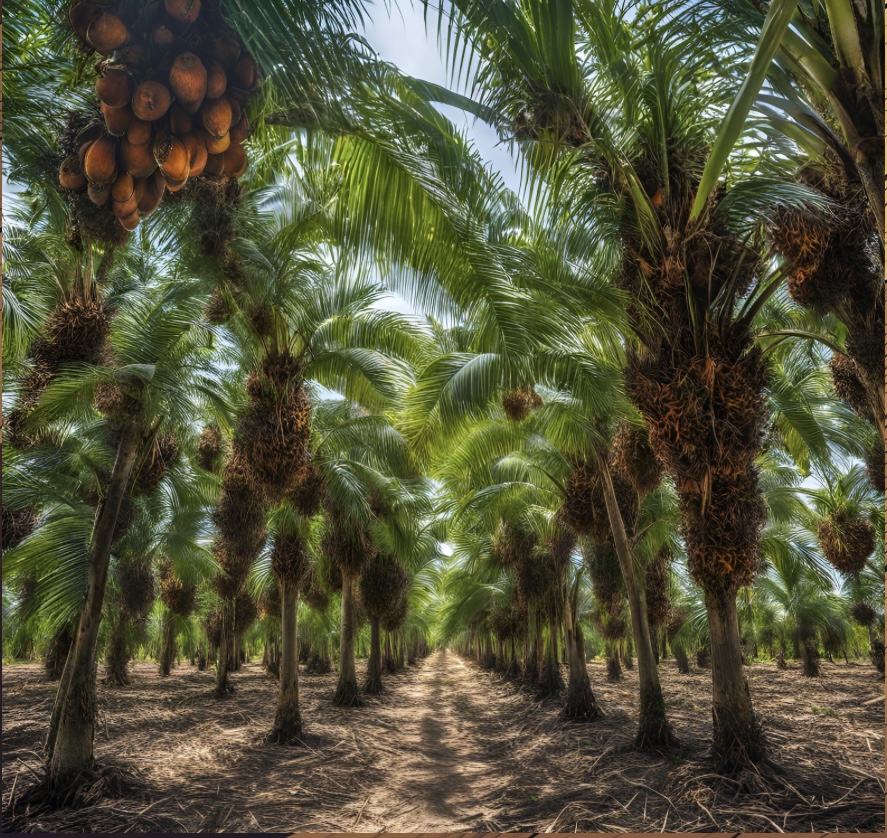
x=168 y=650
x=581 y=705
x=288 y=717
x=346 y=690
x=373 y=682
x=72 y=728
x=654 y=731
x=737 y=736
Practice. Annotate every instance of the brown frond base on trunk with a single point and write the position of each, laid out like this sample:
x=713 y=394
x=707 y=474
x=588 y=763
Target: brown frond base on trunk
x=373 y=683
x=550 y=682
x=117 y=661
x=531 y=671
x=654 y=731
x=614 y=670
x=286 y=732
x=98 y=782
x=224 y=690
x=318 y=664
x=581 y=705
x=738 y=743
x=878 y=656
x=347 y=695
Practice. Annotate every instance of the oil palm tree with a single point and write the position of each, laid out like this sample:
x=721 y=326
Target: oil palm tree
x=156 y=367
x=637 y=146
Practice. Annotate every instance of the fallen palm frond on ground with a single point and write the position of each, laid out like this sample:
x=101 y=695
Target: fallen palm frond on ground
x=451 y=747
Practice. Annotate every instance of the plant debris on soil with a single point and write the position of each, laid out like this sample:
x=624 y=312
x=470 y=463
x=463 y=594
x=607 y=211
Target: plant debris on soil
x=449 y=746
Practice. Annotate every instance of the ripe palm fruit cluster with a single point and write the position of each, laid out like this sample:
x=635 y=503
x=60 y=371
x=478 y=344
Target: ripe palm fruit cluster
x=173 y=86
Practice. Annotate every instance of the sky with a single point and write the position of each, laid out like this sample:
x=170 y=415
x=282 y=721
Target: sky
x=397 y=33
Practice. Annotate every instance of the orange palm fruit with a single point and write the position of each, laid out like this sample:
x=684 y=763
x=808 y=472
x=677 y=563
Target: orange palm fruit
x=180 y=121
x=235 y=161
x=100 y=162
x=245 y=72
x=162 y=37
x=187 y=78
x=150 y=101
x=215 y=164
x=117 y=120
x=138 y=160
x=240 y=131
x=216 y=80
x=139 y=131
x=99 y=193
x=71 y=173
x=216 y=117
x=216 y=145
x=123 y=187
x=171 y=157
x=107 y=32
x=114 y=87
x=81 y=15
x=131 y=221
x=182 y=11
x=196 y=147
x=155 y=187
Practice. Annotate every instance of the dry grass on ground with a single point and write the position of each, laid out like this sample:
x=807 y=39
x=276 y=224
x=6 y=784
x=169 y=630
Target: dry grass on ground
x=450 y=747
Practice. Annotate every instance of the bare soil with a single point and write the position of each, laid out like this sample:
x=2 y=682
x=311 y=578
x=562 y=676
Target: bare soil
x=450 y=747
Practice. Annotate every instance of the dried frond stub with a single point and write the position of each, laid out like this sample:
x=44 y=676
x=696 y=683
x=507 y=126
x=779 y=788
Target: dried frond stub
x=848 y=384
x=164 y=451
x=863 y=613
x=518 y=403
x=874 y=464
x=383 y=582
x=656 y=587
x=18 y=524
x=846 y=541
x=633 y=457
x=348 y=548
x=137 y=589
x=314 y=593
x=308 y=490
x=176 y=596
x=209 y=448
x=289 y=558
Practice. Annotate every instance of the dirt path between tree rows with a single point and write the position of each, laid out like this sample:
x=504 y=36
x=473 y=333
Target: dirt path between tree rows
x=451 y=747
x=452 y=755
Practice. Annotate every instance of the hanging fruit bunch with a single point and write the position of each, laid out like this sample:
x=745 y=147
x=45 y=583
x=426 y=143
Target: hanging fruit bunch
x=173 y=84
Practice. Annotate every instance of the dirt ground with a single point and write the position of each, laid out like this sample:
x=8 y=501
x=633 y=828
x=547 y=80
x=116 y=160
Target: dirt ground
x=451 y=747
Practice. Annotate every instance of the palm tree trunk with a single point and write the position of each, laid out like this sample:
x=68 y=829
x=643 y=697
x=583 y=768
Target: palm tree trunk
x=117 y=659
x=550 y=681
x=223 y=685
x=581 y=704
x=737 y=740
x=680 y=656
x=373 y=683
x=347 y=690
x=654 y=730
x=809 y=654
x=288 y=717
x=168 y=650
x=72 y=728
x=614 y=668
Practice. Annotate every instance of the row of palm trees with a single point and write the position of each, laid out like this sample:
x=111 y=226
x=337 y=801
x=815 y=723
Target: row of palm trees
x=621 y=379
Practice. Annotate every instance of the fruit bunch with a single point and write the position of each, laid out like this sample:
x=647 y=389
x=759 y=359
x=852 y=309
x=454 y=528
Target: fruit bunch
x=173 y=85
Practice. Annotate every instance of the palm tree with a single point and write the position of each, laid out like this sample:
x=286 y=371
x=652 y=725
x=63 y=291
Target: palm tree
x=687 y=253
x=158 y=372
